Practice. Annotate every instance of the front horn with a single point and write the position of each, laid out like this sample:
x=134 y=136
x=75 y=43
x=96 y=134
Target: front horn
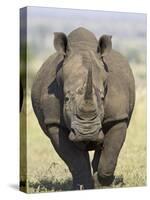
x=89 y=85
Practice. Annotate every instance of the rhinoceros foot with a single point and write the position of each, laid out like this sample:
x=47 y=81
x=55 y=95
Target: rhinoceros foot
x=108 y=182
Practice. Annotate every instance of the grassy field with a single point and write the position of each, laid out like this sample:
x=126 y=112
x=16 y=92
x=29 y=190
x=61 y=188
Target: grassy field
x=47 y=172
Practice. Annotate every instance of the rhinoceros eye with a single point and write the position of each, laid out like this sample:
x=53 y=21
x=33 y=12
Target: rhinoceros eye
x=102 y=98
x=66 y=99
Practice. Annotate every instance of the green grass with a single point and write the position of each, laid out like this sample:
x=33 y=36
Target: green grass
x=47 y=172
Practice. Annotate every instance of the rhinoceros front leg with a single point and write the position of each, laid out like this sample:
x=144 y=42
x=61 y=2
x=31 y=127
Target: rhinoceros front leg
x=76 y=159
x=113 y=142
x=96 y=158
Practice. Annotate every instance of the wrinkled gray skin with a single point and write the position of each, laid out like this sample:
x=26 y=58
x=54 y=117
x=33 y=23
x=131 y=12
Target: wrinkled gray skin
x=83 y=97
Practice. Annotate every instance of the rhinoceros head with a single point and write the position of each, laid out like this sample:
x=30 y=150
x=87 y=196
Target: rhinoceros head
x=84 y=83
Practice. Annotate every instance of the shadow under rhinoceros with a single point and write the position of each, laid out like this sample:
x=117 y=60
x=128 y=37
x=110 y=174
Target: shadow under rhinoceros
x=45 y=185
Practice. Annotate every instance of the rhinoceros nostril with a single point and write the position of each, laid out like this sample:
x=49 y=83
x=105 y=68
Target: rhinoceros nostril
x=73 y=131
x=72 y=135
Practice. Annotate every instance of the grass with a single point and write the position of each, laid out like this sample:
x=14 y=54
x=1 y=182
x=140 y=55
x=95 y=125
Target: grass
x=47 y=172
x=132 y=159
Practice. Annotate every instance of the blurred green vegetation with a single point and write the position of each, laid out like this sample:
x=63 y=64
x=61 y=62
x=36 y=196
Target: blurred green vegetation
x=45 y=170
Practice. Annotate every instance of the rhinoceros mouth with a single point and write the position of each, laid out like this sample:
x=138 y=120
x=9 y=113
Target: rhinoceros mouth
x=76 y=136
x=86 y=130
x=86 y=127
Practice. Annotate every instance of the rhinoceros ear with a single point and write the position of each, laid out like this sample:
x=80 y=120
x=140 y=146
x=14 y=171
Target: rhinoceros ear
x=60 y=42
x=104 y=45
